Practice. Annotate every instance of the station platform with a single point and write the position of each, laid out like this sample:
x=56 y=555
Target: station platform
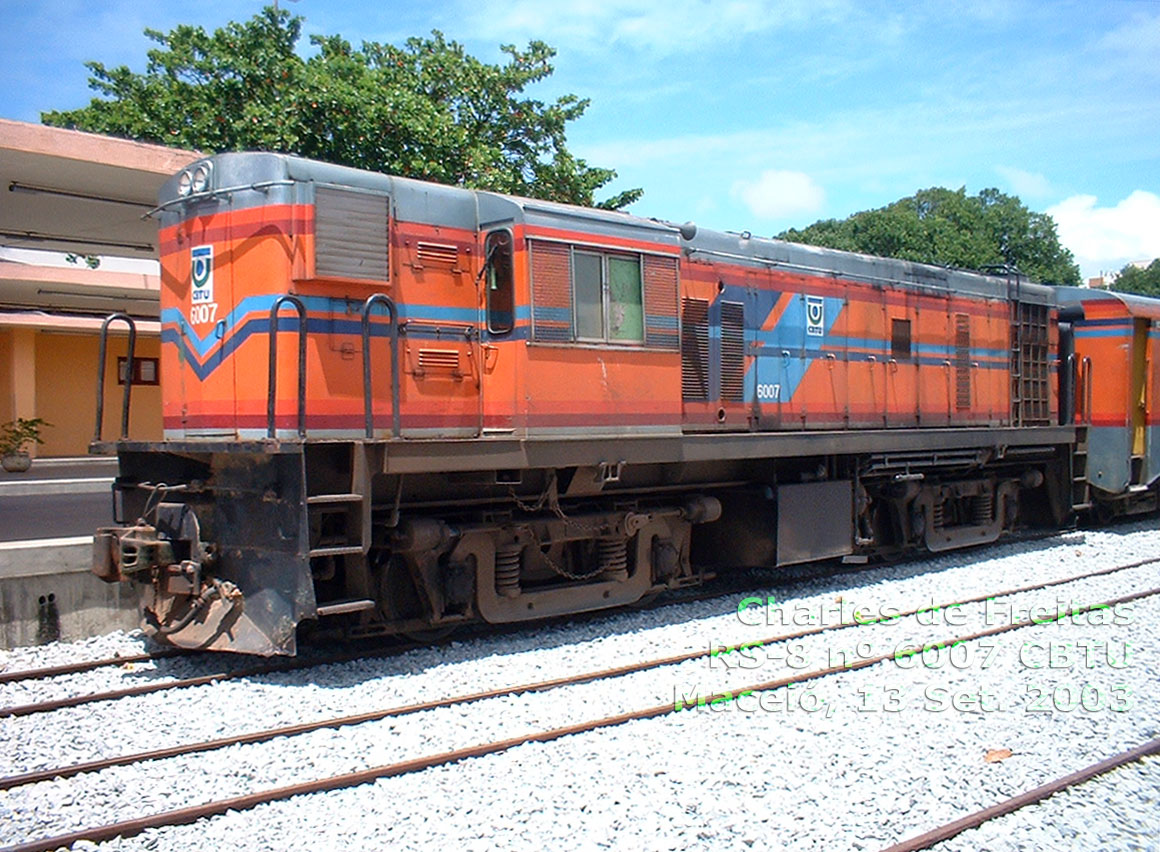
x=47 y=517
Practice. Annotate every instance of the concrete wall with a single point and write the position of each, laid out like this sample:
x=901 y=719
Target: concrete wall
x=48 y=593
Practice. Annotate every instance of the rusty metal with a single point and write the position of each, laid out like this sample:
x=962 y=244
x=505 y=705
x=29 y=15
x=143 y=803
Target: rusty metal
x=102 y=352
x=200 y=680
x=89 y=665
x=950 y=829
x=184 y=816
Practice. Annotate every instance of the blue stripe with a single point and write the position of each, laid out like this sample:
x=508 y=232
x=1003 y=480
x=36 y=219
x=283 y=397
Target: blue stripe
x=1089 y=333
x=658 y=321
x=201 y=345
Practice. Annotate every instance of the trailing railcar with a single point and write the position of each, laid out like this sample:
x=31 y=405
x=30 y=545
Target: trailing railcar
x=1117 y=338
x=392 y=407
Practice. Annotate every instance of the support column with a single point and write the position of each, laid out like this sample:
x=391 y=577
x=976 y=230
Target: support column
x=24 y=376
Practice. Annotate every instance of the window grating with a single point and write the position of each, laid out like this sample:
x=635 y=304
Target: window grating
x=551 y=291
x=660 y=302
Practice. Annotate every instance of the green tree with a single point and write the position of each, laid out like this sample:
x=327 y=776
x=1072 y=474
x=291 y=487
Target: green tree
x=1133 y=279
x=426 y=110
x=951 y=228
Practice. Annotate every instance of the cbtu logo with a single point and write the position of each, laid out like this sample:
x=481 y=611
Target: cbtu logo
x=201 y=274
x=815 y=316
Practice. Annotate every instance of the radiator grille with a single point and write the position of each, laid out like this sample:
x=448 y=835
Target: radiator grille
x=1029 y=373
x=445 y=360
x=962 y=362
x=732 y=352
x=350 y=234
x=695 y=350
x=437 y=254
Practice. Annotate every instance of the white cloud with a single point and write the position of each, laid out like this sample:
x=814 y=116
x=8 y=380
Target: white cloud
x=1131 y=47
x=777 y=194
x=655 y=25
x=1106 y=238
x=1026 y=184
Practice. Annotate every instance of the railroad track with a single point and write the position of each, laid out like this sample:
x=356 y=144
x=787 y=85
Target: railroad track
x=186 y=815
x=1030 y=797
x=721 y=586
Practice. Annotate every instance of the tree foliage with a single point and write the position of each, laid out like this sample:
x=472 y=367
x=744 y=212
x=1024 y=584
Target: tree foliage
x=1133 y=279
x=426 y=110
x=952 y=228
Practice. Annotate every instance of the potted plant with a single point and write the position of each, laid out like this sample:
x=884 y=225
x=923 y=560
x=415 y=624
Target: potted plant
x=15 y=435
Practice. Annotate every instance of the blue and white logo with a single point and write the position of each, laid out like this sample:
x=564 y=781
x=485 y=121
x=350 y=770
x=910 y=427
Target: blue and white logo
x=815 y=316
x=201 y=273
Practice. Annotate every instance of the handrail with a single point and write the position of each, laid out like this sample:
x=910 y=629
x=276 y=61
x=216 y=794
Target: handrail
x=380 y=299
x=272 y=383
x=1087 y=390
x=103 y=350
x=1069 y=407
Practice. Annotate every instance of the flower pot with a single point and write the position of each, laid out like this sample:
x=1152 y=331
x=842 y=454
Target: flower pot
x=16 y=462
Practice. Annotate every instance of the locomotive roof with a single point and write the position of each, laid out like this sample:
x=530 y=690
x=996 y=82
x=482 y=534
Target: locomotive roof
x=1134 y=304
x=270 y=178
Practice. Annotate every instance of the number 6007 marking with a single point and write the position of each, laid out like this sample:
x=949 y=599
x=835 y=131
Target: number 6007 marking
x=769 y=391
x=199 y=314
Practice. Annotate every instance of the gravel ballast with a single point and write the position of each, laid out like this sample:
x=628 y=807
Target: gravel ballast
x=857 y=760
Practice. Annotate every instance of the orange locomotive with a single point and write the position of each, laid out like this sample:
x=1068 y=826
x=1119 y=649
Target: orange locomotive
x=392 y=406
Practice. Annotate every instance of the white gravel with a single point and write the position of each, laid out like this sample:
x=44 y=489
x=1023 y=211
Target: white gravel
x=884 y=756
x=1080 y=818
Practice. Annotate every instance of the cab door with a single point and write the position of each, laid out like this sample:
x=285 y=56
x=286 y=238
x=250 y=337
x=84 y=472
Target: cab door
x=499 y=333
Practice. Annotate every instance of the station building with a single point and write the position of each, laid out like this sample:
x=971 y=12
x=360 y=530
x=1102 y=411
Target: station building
x=85 y=195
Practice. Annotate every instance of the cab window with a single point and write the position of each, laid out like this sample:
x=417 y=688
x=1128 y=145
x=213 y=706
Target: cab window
x=500 y=282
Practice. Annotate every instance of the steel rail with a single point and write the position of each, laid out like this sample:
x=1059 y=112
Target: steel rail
x=40 y=776
x=90 y=665
x=1030 y=797
x=184 y=816
x=201 y=680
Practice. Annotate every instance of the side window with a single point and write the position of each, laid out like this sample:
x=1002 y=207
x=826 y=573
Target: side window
x=588 y=285
x=500 y=282
x=595 y=295
x=625 y=302
x=608 y=296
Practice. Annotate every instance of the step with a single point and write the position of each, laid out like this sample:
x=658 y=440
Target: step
x=344 y=607
x=343 y=550
x=316 y=499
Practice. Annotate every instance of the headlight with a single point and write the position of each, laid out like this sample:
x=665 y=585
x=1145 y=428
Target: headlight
x=185 y=183
x=201 y=178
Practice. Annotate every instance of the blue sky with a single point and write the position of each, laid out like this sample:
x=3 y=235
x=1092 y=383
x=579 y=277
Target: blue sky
x=759 y=115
